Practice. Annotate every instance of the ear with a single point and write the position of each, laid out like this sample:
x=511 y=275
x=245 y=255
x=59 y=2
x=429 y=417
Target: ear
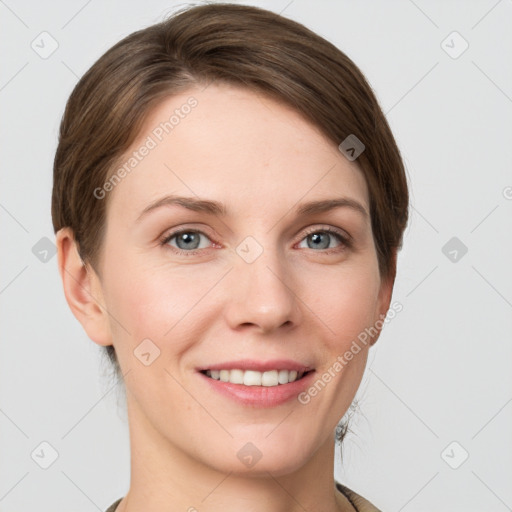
x=82 y=288
x=385 y=294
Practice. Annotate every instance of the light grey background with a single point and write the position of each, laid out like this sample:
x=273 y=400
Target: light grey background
x=441 y=371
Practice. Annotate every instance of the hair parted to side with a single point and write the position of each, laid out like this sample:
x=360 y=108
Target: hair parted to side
x=238 y=45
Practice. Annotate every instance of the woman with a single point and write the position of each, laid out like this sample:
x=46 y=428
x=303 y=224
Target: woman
x=258 y=144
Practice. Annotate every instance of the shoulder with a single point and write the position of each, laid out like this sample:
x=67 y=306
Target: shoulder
x=361 y=504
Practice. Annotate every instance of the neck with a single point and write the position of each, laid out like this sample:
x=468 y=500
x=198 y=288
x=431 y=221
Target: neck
x=164 y=477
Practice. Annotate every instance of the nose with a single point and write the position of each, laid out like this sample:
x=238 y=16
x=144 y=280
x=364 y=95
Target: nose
x=261 y=294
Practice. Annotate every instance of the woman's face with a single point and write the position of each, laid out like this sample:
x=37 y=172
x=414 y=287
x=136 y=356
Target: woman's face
x=261 y=286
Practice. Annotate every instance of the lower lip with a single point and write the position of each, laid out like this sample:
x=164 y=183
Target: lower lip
x=260 y=396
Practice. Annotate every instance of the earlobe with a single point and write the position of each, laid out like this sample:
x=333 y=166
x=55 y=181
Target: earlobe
x=82 y=289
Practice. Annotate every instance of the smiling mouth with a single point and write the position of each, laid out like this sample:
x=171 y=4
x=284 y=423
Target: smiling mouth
x=269 y=378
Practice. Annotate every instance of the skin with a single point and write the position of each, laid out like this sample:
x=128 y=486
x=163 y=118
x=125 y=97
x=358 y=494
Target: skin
x=295 y=301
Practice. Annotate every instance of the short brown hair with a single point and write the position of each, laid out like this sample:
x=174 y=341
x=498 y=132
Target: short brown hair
x=236 y=44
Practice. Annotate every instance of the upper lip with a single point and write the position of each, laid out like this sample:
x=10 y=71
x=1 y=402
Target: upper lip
x=259 y=366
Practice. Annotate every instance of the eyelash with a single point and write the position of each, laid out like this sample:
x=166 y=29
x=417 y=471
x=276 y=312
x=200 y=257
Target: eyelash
x=343 y=239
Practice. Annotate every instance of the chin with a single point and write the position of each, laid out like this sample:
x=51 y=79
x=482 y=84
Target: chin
x=261 y=456
x=261 y=469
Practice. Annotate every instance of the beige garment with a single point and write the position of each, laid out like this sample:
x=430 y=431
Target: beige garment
x=359 y=503
x=113 y=507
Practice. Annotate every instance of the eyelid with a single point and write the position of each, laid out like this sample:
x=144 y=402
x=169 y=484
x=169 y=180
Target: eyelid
x=329 y=229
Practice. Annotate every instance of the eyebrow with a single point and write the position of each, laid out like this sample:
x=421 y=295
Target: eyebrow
x=217 y=208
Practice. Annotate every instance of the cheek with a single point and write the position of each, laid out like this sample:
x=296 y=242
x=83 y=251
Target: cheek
x=156 y=303
x=348 y=304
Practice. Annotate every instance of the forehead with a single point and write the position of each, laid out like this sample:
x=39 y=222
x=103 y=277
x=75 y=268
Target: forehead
x=234 y=145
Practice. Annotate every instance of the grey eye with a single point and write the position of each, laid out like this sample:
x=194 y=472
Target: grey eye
x=187 y=240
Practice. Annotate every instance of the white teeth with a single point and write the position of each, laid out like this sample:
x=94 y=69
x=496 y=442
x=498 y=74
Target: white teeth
x=269 y=378
x=253 y=378
x=283 y=376
x=236 y=376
